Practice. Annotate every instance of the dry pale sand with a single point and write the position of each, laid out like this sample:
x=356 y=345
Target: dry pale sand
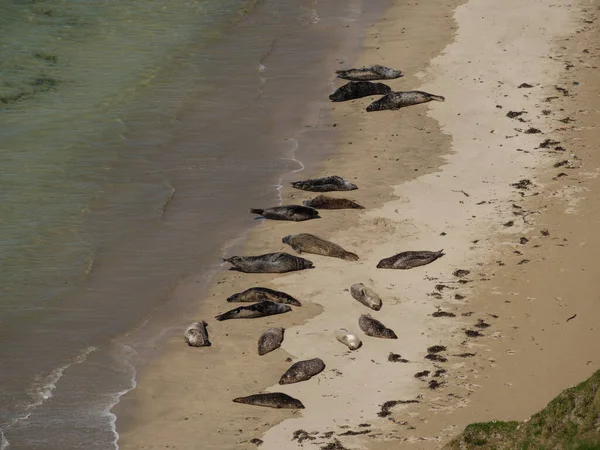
x=418 y=199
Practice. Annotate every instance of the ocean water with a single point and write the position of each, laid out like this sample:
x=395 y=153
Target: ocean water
x=134 y=137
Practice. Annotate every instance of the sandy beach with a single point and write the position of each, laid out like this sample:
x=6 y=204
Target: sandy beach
x=501 y=176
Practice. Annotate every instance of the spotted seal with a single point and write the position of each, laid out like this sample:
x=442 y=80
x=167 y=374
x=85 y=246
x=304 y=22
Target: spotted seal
x=375 y=328
x=408 y=260
x=302 y=371
x=260 y=309
x=295 y=213
x=397 y=100
x=325 y=202
x=366 y=296
x=348 y=339
x=277 y=400
x=359 y=89
x=269 y=263
x=325 y=184
x=196 y=335
x=375 y=72
x=270 y=340
x=309 y=243
x=257 y=294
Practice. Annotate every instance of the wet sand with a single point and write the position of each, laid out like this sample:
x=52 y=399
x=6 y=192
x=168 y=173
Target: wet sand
x=430 y=176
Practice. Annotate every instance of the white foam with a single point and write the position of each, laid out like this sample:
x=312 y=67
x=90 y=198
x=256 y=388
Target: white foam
x=4 y=444
x=129 y=352
x=294 y=145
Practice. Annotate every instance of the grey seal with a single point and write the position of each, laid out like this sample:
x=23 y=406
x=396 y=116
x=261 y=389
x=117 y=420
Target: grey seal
x=302 y=371
x=196 y=335
x=257 y=294
x=269 y=263
x=397 y=100
x=326 y=202
x=309 y=243
x=408 y=260
x=277 y=400
x=359 y=89
x=296 y=213
x=325 y=184
x=366 y=296
x=260 y=309
x=375 y=328
x=375 y=72
x=270 y=340
x=348 y=339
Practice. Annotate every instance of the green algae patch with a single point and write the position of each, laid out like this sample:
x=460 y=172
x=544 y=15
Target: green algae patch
x=571 y=422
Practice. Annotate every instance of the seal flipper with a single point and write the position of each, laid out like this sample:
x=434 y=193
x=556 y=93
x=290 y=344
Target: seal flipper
x=257 y=211
x=296 y=248
x=228 y=315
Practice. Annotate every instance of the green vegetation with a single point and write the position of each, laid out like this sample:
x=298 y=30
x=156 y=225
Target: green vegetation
x=571 y=422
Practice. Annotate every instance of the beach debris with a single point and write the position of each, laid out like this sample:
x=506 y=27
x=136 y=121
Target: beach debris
x=369 y=73
x=260 y=309
x=460 y=273
x=524 y=85
x=522 y=184
x=335 y=445
x=394 y=357
x=257 y=294
x=325 y=184
x=473 y=333
x=302 y=371
x=374 y=328
x=256 y=441
x=465 y=355
x=481 y=324
x=277 y=400
x=515 y=114
x=348 y=339
x=571 y=318
x=295 y=213
x=439 y=372
x=270 y=340
x=366 y=296
x=326 y=202
x=436 y=349
x=279 y=262
x=562 y=90
x=385 y=408
x=436 y=357
x=523 y=240
x=435 y=384
x=409 y=260
x=196 y=335
x=548 y=143
x=302 y=435
x=359 y=89
x=510 y=223
x=545 y=232
x=397 y=100
x=354 y=433
x=441 y=313
x=459 y=297
x=532 y=130
x=422 y=374
x=523 y=261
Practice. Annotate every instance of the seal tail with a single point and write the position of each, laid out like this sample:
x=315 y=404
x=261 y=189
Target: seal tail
x=437 y=98
x=257 y=211
x=349 y=256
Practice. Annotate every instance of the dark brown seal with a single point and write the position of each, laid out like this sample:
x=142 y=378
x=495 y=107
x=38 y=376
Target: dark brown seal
x=196 y=335
x=375 y=72
x=325 y=202
x=309 y=243
x=271 y=400
x=269 y=263
x=257 y=294
x=325 y=184
x=397 y=100
x=260 y=309
x=359 y=89
x=408 y=260
x=296 y=213
x=375 y=328
x=302 y=371
x=270 y=340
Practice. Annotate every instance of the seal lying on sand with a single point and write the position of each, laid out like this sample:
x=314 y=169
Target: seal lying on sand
x=325 y=202
x=366 y=296
x=271 y=400
x=260 y=309
x=326 y=184
x=375 y=328
x=408 y=260
x=258 y=294
x=295 y=213
x=270 y=340
x=359 y=89
x=196 y=335
x=302 y=371
x=312 y=244
x=397 y=100
x=270 y=263
x=348 y=339
x=375 y=72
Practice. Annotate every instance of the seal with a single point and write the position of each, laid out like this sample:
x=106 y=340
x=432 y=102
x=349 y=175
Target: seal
x=270 y=340
x=257 y=294
x=296 y=213
x=408 y=260
x=260 y=309
x=348 y=339
x=325 y=202
x=375 y=72
x=359 y=89
x=302 y=371
x=309 y=243
x=397 y=100
x=366 y=296
x=277 y=400
x=269 y=263
x=375 y=328
x=325 y=184
x=196 y=335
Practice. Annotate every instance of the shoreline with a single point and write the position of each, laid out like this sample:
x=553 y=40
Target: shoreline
x=457 y=189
